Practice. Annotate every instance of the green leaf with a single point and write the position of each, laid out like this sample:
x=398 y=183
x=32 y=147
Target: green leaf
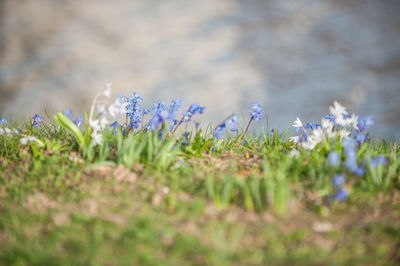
x=67 y=124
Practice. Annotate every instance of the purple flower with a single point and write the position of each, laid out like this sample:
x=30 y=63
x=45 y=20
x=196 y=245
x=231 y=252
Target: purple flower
x=341 y=194
x=375 y=162
x=333 y=158
x=256 y=112
x=338 y=181
x=36 y=120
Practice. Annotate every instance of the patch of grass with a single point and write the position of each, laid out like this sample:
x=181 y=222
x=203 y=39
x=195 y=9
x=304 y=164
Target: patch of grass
x=148 y=198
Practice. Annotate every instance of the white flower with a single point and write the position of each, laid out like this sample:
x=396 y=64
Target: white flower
x=117 y=108
x=294 y=139
x=95 y=125
x=327 y=127
x=27 y=139
x=337 y=110
x=313 y=140
x=354 y=121
x=297 y=123
x=101 y=108
x=99 y=124
x=326 y=124
x=107 y=92
x=348 y=121
x=103 y=123
x=7 y=131
x=97 y=138
x=344 y=133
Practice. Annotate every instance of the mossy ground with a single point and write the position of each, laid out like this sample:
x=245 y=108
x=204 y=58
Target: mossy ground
x=193 y=204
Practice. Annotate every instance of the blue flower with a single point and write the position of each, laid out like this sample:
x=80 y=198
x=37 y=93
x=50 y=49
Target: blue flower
x=365 y=122
x=229 y=122
x=3 y=121
x=341 y=194
x=185 y=137
x=159 y=117
x=303 y=135
x=331 y=118
x=146 y=111
x=114 y=125
x=338 y=181
x=361 y=138
x=256 y=112
x=157 y=120
x=133 y=109
x=174 y=107
x=349 y=143
x=312 y=126
x=351 y=155
x=193 y=109
x=375 y=162
x=36 y=120
x=333 y=159
x=351 y=160
x=360 y=170
x=219 y=131
x=68 y=113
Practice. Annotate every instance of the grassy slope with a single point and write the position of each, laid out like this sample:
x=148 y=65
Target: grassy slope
x=192 y=205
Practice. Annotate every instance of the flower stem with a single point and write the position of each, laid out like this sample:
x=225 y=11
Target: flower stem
x=177 y=125
x=245 y=131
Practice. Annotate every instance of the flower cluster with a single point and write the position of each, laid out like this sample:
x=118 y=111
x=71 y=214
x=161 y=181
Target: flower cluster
x=338 y=124
x=131 y=107
x=256 y=112
x=351 y=132
x=99 y=121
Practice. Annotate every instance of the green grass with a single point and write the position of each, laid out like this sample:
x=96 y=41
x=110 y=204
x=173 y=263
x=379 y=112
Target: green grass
x=146 y=200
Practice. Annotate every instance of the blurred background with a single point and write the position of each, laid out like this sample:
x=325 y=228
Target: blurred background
x=294 y=57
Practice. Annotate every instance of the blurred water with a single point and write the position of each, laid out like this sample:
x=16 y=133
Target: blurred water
x=295 y=57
